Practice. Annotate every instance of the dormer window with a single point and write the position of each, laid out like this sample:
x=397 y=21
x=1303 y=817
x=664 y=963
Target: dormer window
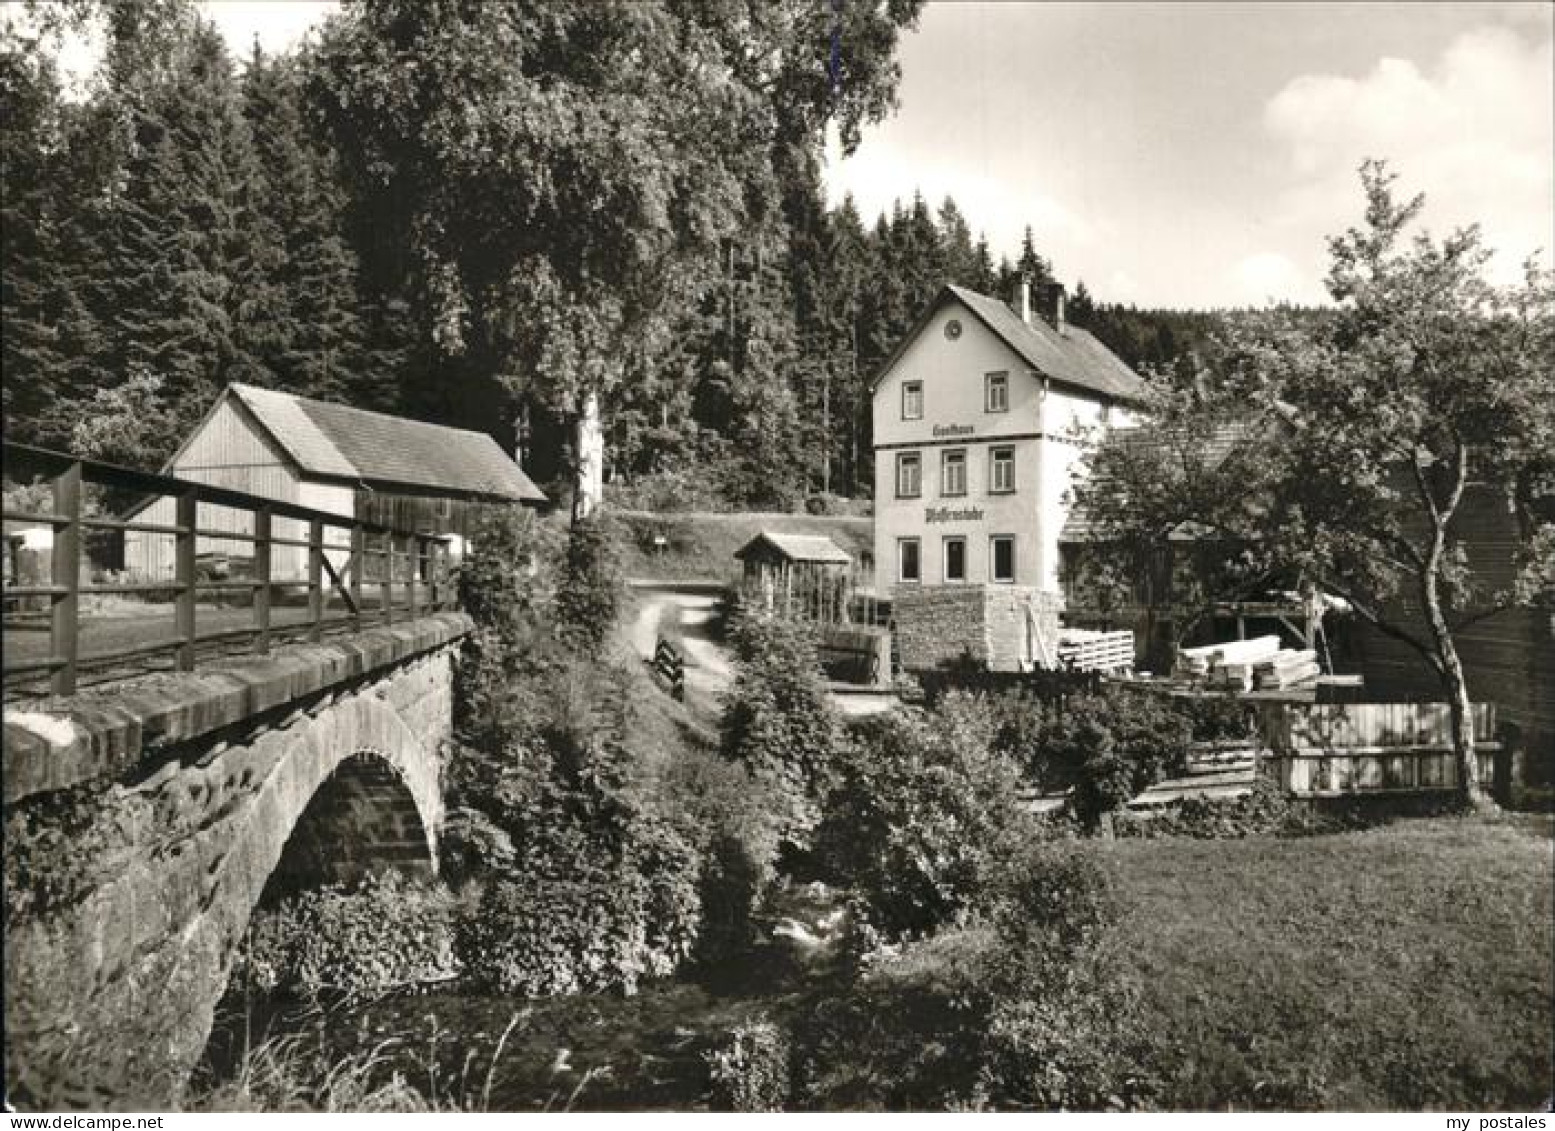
x=912 y=400
x=996 y=392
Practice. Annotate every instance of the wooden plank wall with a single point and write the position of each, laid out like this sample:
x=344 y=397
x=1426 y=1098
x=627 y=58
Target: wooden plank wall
x=225 y=452
x=1344 y=749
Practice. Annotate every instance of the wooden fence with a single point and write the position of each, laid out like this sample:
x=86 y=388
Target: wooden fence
x=1349 y=749
x=668 y=662
x=411 y=574
x=821 y=596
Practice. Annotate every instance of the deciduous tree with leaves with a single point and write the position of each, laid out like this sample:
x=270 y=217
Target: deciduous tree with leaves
x=1426 y=392
x=564 y=175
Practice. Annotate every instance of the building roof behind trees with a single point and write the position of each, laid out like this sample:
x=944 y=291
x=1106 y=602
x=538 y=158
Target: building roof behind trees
x=335 y=441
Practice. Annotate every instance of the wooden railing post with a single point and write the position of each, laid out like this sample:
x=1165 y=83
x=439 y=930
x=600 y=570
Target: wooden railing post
x=388 y=577
x=262 y=579
x=315 y=579
x=435 y=548
x=358 y=559
x=184 y=558
x=65 y=572
x=418 y=550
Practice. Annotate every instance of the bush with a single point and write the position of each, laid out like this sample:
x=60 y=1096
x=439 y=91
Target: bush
x=1026 y=1009
x=1051 y=901
x=1217 y=718
x=1064 y=1030
x=908 y=1035
x=1111 y=746
x=689 y=489
x=751 y=1071
x=922 y=808
x=721 y=813
x=350 y=943
x=472 y=846
x=1264 y=811
x=506 y=583
x=1076 y=1046
x=604 y=899
x=779 y=723
x=593 y=591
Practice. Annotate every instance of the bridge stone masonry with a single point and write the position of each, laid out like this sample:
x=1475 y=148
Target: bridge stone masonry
x=146 y=819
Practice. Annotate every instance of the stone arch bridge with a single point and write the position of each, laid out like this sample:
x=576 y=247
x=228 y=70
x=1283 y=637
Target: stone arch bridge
x=145 y=820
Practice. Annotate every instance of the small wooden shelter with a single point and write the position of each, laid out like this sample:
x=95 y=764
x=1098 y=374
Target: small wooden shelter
x=804 y=575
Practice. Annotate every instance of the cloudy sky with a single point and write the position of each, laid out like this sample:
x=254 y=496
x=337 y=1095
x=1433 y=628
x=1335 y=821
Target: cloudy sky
x=1192 y=154
x=1197 y=154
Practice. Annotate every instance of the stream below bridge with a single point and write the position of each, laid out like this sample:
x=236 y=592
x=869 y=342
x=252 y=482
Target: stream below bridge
x=596 y=1052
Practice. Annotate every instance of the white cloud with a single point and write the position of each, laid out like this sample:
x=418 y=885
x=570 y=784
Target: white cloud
x=1269 y=276
x=879 y=174
x=1475 y=133
x=277 y=24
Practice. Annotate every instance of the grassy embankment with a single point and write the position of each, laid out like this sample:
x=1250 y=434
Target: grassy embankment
x=701 y=546
x=1403 y=967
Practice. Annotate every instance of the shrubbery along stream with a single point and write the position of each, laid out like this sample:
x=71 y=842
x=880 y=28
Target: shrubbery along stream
x=772 y=910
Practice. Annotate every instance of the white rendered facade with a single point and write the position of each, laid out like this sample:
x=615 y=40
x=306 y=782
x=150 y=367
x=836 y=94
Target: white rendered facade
x=995 y=441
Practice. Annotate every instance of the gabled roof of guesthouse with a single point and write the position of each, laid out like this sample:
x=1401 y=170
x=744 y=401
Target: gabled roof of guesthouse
x=1071 y=357
x=335 y=441
x=797 y=548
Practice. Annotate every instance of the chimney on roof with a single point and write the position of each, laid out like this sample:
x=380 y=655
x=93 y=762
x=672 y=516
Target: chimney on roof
x=1023 y=302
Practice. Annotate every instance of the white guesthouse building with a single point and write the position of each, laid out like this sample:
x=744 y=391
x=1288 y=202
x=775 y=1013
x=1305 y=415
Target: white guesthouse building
x=979 y=419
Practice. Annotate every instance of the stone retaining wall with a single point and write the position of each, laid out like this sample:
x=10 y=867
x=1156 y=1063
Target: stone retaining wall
x=941 y=624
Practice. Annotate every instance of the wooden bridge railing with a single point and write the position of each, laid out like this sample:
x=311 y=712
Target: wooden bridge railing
x=420 y=562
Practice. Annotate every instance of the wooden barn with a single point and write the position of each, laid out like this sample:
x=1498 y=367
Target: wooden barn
x=403 y=473
x=801 y=574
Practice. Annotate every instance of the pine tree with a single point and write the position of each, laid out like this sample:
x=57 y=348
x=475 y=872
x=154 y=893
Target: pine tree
x=983 y=279
x=1030 y=266
x=1082 y=308
x=958 y=256
x=179 y=236
x=318 y=345
x=30 y=192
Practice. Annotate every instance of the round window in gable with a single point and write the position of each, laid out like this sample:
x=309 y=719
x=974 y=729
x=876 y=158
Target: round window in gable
x=953 y=329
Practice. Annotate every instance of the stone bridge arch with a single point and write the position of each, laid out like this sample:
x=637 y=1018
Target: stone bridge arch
x=112 y=997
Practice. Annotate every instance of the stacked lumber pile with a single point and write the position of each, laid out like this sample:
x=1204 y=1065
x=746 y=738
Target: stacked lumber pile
x=1086 y=651
x=1288 y=668
x=1241 y=665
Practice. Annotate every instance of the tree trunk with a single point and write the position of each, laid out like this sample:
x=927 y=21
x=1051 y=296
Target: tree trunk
x=589 y=450
x=1450 y=669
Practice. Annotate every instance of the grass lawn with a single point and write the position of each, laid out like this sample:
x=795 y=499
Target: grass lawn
x=702 y=545
x=1403 y=967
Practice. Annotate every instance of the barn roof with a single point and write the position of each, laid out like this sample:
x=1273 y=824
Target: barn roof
x=335 y=441
x=797 y=548
x=1074 y=357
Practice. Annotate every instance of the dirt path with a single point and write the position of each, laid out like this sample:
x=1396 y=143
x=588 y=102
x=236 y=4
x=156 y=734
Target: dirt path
x=708 y=672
